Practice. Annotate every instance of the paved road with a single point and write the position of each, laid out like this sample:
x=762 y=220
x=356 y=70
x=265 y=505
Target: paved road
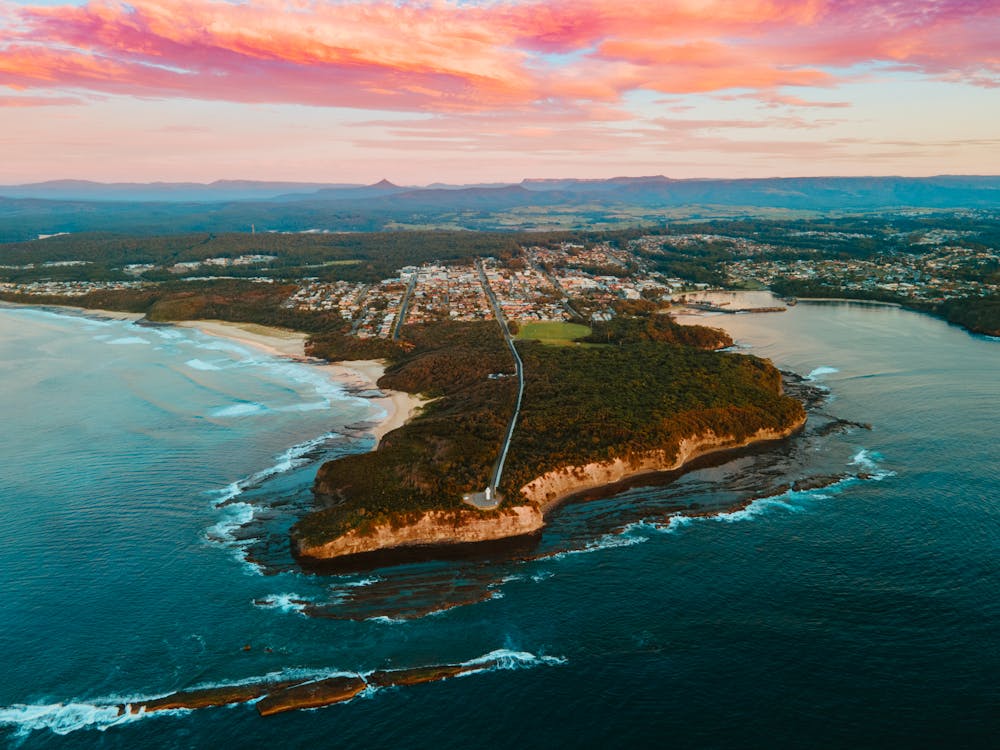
x=491 y=500
x=357 y=300
x=403 y=307
x=565 y=298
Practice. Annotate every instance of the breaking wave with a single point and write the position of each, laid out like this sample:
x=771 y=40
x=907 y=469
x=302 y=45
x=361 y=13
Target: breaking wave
x=104 y=713
x=200 y=364
x=296 y=456
x=243 y=409
x=820 y=372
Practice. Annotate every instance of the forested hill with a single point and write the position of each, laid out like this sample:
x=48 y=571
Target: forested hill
x=76 y=206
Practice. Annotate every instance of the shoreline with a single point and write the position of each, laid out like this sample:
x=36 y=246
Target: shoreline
x=434 y=531
x=856 y=301
x=362 y=374
x=555 y=488
x=357 y=374
x=77 y=310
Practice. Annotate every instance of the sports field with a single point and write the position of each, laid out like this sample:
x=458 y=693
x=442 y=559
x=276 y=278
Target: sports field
x=557 y=333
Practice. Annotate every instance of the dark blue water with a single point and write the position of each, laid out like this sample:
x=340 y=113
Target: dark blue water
x=861 y=614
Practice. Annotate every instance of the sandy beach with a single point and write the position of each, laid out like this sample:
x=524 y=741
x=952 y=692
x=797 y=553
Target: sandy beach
x=93 y=312
x=361 y=374
x=280 y=342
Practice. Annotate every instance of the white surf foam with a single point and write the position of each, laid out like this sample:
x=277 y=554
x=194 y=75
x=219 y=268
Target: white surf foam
x=103 y=713
x=235 y=517
x=244 y=409
x=624 y=538
x=367 y=581
x=170 y=334
x=290 y=603
x=868 y=461
x=505 y=658
x=754 y=510
x=309 y=406
x=211 y=344
x=129 y=340
x=63 y=718
x=821 y=372
x=296 y=456
x=200 y=364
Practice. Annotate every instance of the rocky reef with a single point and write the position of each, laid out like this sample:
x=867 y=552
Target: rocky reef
x=540 y=496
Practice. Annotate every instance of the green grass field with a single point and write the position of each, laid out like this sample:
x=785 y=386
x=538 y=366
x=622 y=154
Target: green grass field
x=559 y=334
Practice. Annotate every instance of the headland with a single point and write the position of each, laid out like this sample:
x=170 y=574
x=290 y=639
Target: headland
x=653 y=397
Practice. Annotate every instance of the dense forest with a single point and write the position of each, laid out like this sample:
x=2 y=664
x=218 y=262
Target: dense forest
x=584 y=405
x=979 y=314
x=658 y=328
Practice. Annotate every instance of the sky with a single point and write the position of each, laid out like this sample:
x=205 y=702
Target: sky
x=496 y=90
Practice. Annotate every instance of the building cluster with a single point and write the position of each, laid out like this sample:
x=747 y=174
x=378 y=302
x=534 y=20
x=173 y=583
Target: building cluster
x=380 y=306
x=572 y=255
x=656 y=244
x=240 y=260
x=68 y=288
x=930 y=277
x=342 y=297
x=49 y=264
x=445 y=292
x=525 y=292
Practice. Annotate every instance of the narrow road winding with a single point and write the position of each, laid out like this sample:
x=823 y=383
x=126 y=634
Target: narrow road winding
x=489 y=499
x=404 y=306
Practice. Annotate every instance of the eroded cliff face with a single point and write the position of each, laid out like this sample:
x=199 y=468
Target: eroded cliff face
x=431 y=528
x=548 y=490
x=541 y=495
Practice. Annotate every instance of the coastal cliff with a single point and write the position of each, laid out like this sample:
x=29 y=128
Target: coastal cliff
x=551 y=488
x=436 y=527
x=542 y=495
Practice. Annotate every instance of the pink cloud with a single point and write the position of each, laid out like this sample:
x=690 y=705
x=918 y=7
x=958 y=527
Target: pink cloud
x=523 y=55
x=39 y=101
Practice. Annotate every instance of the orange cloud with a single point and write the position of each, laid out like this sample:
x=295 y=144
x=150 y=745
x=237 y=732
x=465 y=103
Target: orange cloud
x=444 y=56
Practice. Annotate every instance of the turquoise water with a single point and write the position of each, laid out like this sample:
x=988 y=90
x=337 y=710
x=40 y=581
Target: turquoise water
x=147 y=476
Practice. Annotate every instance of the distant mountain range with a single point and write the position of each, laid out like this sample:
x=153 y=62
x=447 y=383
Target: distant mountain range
x=234 y=205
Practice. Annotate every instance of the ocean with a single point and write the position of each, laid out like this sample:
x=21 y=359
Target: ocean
x=148 y=476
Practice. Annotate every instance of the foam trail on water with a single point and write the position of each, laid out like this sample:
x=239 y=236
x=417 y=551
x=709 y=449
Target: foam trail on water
x=290 y=603
x=244 y=409
x=505 y=658
x=367 y=581
x=200 y=364
x=237 y=515
x=868 y=461
x=622 y=538
x=820 y=372
x=63 y=718
x=296 y=456
x=104 y=713
x=127 y=340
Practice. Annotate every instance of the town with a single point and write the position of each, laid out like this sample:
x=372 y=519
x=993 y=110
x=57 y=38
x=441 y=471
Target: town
x=579 y=281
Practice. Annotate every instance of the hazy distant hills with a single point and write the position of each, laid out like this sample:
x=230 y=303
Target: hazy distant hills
x=232 y=205
x=221 y=190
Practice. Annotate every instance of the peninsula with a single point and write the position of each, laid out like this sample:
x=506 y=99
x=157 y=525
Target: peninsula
x=515 y=375
x=639 y=395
